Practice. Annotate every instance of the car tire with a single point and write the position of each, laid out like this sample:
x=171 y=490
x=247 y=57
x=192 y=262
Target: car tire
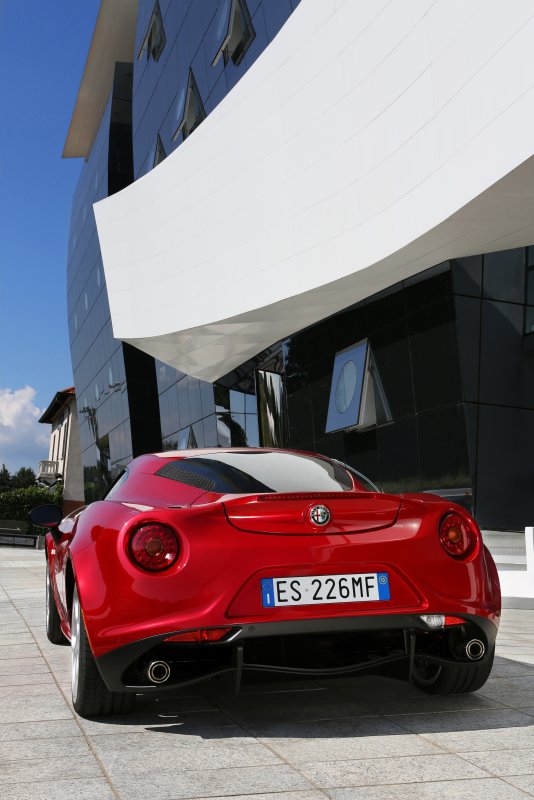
x=90 y=695
x=53 y=621
x=452 y=678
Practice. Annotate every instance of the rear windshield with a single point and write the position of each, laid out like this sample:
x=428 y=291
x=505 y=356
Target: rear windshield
x=254 y=471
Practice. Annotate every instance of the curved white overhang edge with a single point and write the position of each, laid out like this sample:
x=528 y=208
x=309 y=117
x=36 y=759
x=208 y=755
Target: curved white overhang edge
x=113 y=40
x=368 y=142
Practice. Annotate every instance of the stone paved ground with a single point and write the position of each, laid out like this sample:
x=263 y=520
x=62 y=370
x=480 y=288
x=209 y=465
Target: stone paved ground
x=345 y=739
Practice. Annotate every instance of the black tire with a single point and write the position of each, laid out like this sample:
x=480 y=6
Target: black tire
x=90 y=695
x=452 y=678
x=53 y=622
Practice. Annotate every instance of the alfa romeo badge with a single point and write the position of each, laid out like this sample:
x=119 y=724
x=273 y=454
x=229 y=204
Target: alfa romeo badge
x=319 y=515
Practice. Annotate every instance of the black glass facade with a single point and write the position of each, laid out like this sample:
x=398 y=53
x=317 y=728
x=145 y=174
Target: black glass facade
x=115 y=384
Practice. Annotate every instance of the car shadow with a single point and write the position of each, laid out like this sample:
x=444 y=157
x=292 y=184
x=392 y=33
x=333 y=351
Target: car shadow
x=304 y=708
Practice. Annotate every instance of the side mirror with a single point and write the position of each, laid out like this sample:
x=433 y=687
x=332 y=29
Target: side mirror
x=48 y=516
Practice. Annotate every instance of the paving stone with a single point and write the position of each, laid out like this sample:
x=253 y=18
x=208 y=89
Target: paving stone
x=427 y=703
x=519 y=761
x=9 y=651
x=56 y=747
x=514 y=699
x=402 y=769
x=478 y=789
x=24 y=666
x=526 y=710
x=124 y=762
x=317 y=707
x=29 y=709
x=26 y=680
x=178 y=784
x=46 y=769
x=356 y=747
x=25 y=731
x=479 y=740
x=307 y=795
x=462 y=721
x=518 y=677
x=63 y=789
x=33 y=690
x=523 y=782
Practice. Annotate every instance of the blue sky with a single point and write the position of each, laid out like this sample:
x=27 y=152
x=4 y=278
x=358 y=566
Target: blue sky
x=43 y=47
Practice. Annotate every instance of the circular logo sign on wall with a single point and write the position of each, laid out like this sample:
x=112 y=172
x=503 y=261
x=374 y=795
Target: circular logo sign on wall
x=346 y=386
x=319 y=515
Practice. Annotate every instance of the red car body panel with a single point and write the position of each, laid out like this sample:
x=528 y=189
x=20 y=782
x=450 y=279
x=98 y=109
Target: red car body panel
x=228 y=543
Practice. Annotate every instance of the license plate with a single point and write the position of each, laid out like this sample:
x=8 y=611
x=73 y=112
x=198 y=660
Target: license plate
x=320 y=589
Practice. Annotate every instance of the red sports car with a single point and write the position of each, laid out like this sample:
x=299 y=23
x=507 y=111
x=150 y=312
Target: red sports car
x=202 y=562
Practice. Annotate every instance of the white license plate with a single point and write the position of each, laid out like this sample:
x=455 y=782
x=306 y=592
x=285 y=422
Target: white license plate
x=319 y=589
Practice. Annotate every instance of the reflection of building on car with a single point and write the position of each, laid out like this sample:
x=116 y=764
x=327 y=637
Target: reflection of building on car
x=462 y=497
x=202 y=562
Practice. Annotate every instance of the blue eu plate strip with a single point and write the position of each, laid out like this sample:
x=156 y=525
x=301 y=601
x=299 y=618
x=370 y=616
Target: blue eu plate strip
x=383 y=585
x=267 y=592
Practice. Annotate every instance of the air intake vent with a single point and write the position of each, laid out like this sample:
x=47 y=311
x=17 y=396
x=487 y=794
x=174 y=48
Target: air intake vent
x=177 y=473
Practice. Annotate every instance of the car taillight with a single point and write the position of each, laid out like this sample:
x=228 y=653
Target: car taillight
x=154 y=547
x=199 y=635
x=457 y=535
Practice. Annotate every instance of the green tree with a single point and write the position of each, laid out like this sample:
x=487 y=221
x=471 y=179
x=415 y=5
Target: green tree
x=5 y=478
x=23 y=479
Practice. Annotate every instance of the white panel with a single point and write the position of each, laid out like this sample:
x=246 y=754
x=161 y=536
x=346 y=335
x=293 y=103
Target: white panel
x=368 y=142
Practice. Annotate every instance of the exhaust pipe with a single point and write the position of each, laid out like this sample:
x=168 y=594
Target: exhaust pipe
x=475 y=649
x=158 y=671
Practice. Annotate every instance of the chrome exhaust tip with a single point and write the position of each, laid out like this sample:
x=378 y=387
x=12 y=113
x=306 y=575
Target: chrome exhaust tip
x=158 y=671
x=475 y=649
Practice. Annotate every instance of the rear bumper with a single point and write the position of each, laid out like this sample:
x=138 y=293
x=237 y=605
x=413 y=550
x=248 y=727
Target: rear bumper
x=378 y=640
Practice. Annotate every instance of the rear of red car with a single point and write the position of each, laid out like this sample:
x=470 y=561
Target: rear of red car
x=209 y=566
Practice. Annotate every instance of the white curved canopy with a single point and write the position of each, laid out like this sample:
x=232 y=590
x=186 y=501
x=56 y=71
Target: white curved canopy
x=368 y=142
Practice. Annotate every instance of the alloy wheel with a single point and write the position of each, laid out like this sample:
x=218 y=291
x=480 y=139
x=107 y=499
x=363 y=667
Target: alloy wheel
x=75 y=645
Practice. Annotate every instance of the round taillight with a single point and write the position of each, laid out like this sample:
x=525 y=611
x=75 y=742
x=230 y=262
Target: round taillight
x=457 y=536
x=154 y=547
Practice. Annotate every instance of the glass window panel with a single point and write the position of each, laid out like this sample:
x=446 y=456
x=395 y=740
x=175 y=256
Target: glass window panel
x=251 y=405
x=252 y=430
x=348 y=377
x=443 y=449
x=207 y=399
x=271 y=408
x=504 y=275
x=398 y=456
x=210 y=431
x=506 y=374
x=435 y=359
x=467 y=275
x=195 y=407
x=237 y=402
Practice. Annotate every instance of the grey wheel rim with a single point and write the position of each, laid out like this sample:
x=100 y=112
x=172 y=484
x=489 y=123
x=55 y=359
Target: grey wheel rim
x=75 y=645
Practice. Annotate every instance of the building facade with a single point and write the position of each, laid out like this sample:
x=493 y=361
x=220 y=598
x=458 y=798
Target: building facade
x=64 y=457
x=296 y=198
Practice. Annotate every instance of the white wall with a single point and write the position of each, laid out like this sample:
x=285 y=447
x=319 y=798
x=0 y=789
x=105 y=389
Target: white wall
x=368 y=142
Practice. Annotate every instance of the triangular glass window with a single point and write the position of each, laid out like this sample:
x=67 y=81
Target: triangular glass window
x=191 y=439
x=357 y=396
x=155 y=39
x=159 y=154
x=191 y=109
x=238 y=33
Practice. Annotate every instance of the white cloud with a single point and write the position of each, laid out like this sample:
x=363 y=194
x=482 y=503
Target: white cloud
x=23 y=440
